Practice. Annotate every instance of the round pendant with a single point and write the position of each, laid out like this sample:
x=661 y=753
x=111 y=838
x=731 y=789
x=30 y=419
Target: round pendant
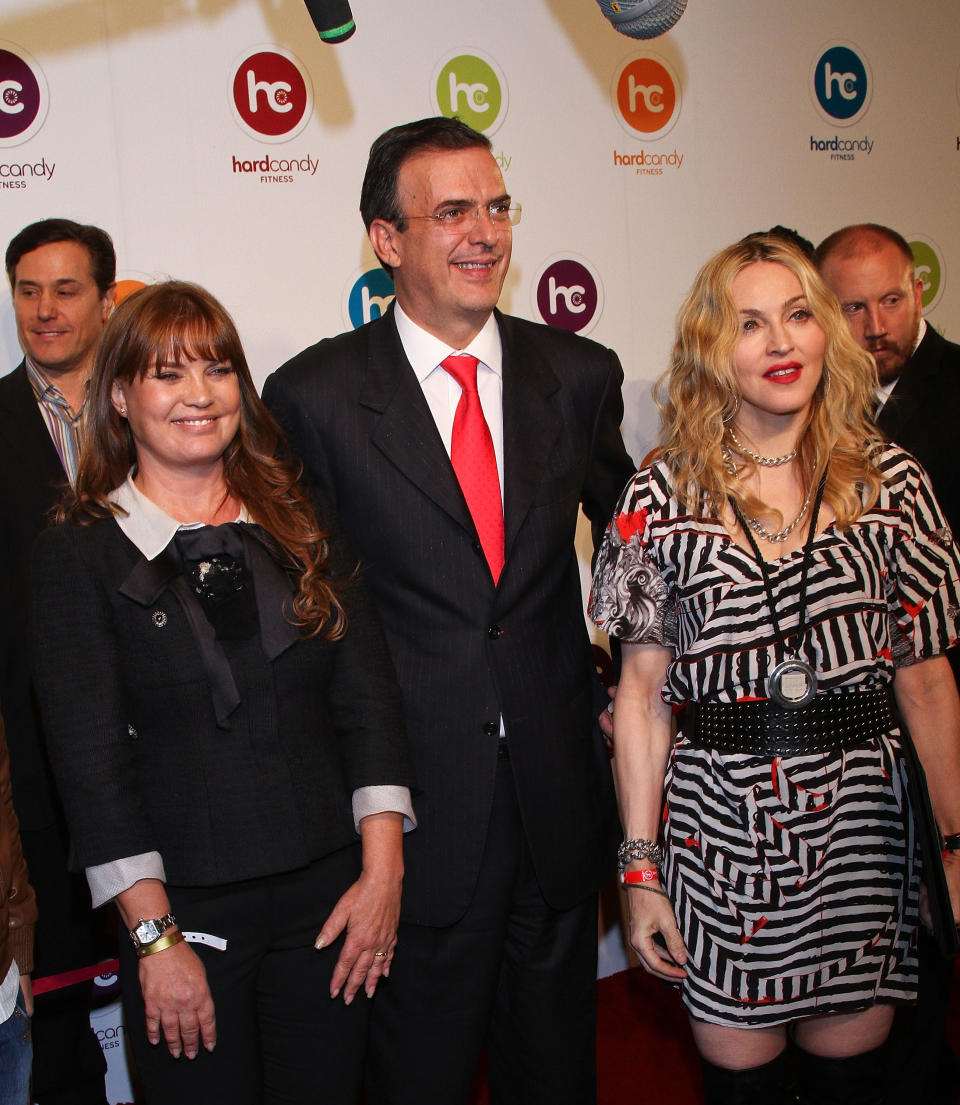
x=792 y=684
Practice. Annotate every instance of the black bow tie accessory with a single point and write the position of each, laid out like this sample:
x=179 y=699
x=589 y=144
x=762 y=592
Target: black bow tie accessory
x=210 y=570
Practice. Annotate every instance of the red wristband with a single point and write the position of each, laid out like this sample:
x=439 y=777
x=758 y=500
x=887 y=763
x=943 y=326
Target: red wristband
x=648 y=874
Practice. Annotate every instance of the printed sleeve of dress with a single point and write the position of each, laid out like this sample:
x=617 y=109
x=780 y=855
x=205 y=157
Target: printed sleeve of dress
x=794 y=878
x=629 y=598
x=923 y=590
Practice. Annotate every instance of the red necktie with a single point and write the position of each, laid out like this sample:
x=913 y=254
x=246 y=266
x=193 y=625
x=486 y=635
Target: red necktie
x=475 y=462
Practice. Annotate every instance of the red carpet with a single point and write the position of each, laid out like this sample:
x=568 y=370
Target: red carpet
x=642 y=1023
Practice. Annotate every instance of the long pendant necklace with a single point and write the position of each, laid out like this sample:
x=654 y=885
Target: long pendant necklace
x=758 y=458
x=792 y=683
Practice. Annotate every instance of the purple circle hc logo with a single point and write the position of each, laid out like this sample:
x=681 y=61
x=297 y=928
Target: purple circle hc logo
x=23 y=97
x=567 y=295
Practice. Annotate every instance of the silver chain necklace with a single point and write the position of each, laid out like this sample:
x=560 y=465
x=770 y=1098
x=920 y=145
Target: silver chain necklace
x=782 y=534
x=766 y=462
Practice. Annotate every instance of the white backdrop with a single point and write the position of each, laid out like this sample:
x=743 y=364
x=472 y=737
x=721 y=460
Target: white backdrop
x=148 y=117
x=142 y=137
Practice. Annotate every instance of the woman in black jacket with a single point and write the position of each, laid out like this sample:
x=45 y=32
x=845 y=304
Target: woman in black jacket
x=223 y=721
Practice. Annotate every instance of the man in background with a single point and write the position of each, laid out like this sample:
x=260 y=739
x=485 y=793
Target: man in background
x=870 y=269
x=458 y=444
x=62 y=279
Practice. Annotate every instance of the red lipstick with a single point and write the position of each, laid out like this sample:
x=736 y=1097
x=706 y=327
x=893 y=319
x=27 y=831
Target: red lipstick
x=785 y=373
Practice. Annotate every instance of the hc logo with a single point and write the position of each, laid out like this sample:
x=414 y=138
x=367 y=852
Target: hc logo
x=475 y=95
x=23 y=96
x=928 y=269
x=652 y=95
x=270 y=95
x=568 y=295
x=646 y=96
x=841 y=84
x=10 y=101
x=276 y=94
x=369 y=297
x=472 y=88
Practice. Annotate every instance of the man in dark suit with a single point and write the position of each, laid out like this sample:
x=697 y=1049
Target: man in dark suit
x=870 y=269
x=62 y=278
x=460 y=493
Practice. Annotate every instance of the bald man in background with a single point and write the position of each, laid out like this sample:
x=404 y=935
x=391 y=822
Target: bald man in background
x=870 y=269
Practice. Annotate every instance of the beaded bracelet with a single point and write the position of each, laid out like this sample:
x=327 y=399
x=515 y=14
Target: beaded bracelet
x=651 y=889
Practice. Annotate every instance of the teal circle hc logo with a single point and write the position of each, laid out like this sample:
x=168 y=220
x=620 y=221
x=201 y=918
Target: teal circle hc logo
x=370 y=296
x=841 y=84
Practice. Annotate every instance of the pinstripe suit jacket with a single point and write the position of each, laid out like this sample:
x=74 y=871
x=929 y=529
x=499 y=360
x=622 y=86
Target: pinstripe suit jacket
x=467 y=652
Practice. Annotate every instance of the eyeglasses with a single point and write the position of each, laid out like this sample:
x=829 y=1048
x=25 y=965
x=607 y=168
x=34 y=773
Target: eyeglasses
x=458 y=217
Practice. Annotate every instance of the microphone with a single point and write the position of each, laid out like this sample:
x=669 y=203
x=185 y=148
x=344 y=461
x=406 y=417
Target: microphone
x=642 y=18
x=332 y=18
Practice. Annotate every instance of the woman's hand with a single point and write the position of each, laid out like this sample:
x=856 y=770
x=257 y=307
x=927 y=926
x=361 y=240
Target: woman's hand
x=370 y=912
x=177 y=1001
x=651 y=915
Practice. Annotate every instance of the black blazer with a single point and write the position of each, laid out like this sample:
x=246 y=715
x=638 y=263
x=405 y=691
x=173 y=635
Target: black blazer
x=467 y=652
x=32 y=480
x=923 y=413
x=133 y=737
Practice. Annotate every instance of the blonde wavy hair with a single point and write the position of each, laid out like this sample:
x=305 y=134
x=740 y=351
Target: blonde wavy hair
x=699 y=394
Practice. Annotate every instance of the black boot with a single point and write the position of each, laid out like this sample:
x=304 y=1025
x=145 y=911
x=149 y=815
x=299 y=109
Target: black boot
x=769 y=1084
x=857 y=1080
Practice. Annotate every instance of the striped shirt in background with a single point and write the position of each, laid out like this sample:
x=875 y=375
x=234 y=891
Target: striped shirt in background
x=65 y=426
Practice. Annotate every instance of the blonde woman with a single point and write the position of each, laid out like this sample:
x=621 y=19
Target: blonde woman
x=788 y=584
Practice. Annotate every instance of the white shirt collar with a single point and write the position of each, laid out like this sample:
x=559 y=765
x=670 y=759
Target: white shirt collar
x=425 y=352
x=145 y=524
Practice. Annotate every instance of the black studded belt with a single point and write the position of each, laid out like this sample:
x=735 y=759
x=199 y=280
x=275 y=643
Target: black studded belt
x=841 y=719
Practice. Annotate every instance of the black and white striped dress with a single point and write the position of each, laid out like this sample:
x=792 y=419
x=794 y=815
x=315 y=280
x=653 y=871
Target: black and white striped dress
x=794 y=879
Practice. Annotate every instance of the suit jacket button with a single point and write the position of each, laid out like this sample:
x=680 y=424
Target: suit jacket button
x=491 y=728
x=494 y=632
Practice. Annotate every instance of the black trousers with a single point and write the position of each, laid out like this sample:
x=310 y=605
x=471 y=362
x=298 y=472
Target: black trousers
x=281 y=1039
x=513 y=974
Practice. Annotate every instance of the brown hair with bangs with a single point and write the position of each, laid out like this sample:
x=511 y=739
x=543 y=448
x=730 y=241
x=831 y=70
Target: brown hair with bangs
x=166 y=324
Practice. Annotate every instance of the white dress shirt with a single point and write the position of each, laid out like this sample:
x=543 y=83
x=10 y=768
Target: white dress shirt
x=442 y=392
